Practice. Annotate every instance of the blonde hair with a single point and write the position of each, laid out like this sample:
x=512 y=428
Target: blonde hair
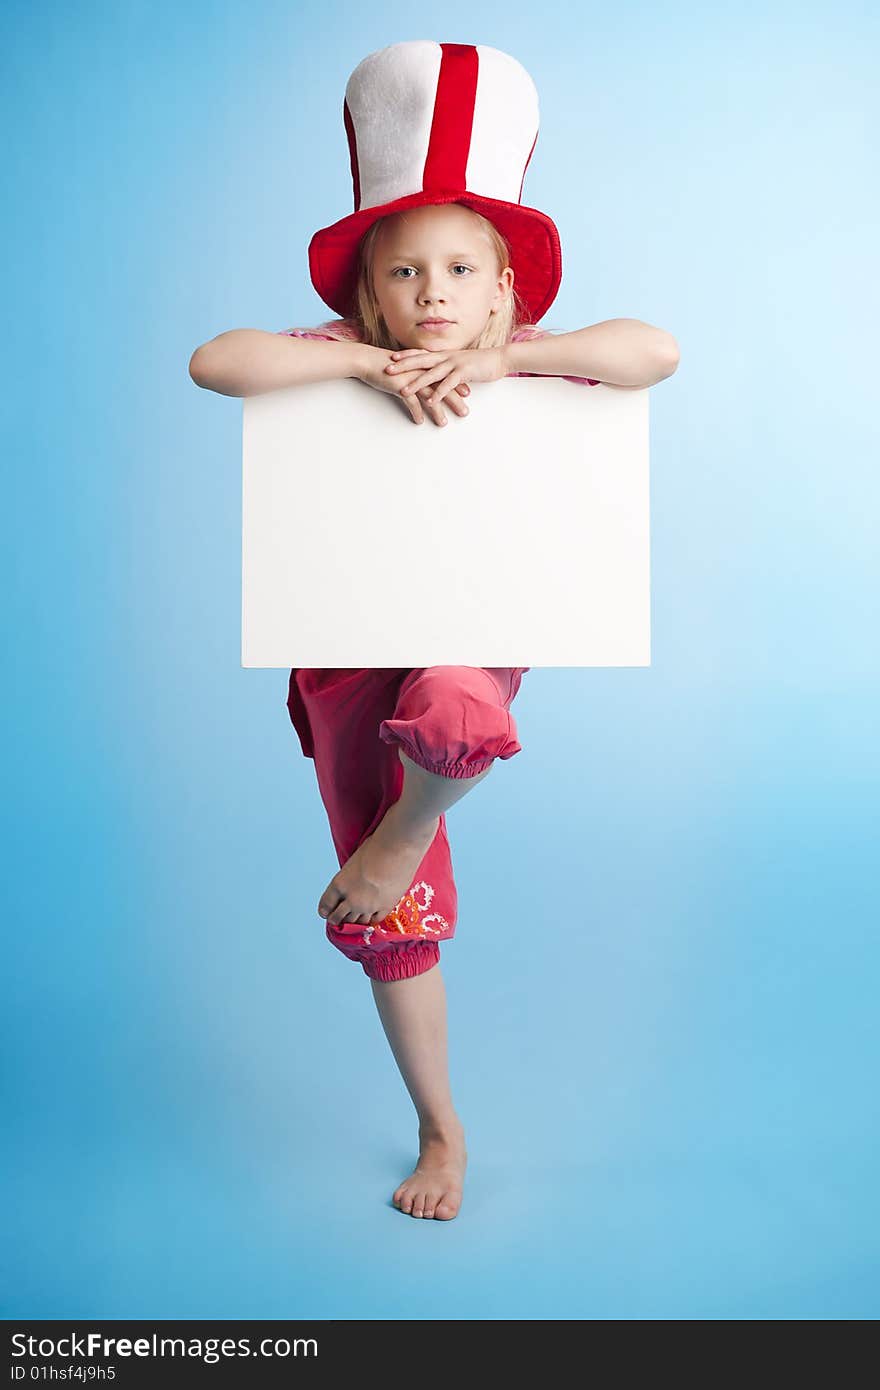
x=507 y=320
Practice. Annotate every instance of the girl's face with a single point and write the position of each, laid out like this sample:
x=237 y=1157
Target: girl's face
x=436 y=262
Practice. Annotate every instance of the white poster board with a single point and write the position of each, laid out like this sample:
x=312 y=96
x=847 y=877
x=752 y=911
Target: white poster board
x=518 y=535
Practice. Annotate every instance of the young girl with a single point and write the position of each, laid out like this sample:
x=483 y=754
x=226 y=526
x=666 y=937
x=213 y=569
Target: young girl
x=429 y=304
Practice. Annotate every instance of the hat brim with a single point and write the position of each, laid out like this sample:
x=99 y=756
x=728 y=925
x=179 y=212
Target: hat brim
x=535 y=251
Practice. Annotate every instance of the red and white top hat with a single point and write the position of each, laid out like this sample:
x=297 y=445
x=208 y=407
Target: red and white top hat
x=440 y=123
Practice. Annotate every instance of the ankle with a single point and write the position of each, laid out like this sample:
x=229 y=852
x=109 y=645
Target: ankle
x=441 y=1128
x=402 y=825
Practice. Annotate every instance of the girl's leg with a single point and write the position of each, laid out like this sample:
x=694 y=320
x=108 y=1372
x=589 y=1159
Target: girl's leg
x=413 y=1014
x=439 y=731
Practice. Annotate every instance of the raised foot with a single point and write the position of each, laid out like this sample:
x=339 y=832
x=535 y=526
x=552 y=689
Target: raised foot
x=380 y=872
x=434 y=1188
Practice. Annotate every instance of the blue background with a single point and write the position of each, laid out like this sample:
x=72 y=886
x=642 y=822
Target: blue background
x=663 y=987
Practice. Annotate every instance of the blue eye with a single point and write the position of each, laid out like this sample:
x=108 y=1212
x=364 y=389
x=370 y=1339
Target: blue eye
x=458 y=266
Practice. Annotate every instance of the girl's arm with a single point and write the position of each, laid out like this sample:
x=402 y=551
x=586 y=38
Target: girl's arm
x=618 y=352
x=249 y=361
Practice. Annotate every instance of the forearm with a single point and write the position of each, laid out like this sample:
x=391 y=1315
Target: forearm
x=249 y=361
x=624 y=352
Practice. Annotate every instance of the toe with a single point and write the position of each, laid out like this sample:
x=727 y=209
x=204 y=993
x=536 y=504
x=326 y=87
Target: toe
x=447 y=1207
x=431 y=1201
x=330 y=898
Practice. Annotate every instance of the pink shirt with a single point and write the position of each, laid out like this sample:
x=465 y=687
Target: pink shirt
x=346 y=330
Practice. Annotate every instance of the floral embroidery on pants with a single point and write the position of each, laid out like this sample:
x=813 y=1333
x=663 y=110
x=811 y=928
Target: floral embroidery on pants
x=407 y=919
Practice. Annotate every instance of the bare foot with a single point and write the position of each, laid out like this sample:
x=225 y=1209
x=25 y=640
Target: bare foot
x=372 y=882
x=435 y=1187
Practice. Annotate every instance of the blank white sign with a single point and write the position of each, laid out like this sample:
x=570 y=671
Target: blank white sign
x=518 y=535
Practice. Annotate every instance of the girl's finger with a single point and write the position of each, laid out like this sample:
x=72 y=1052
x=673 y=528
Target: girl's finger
x=437 y=413
x=423 y=380
x=442 y=389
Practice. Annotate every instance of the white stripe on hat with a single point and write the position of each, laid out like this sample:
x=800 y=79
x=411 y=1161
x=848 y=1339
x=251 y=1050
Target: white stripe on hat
x=504 y=128
x=390 y=96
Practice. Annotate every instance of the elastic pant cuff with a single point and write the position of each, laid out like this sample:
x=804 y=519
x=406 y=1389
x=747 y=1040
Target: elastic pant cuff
x=451 y=769
x=401 y=962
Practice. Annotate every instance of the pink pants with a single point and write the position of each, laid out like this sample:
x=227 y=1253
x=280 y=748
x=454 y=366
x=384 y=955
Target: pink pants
x=451 y=720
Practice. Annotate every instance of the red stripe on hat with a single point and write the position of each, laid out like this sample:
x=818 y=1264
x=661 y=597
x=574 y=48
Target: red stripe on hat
x=450 y=141
x=352 y=154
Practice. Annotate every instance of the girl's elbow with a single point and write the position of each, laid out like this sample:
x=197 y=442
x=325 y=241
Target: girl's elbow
x=669 y=355
x=198 y=369
x=671 y=348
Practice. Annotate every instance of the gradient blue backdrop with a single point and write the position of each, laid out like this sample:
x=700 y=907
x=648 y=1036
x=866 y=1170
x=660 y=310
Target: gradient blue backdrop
x=662 y=992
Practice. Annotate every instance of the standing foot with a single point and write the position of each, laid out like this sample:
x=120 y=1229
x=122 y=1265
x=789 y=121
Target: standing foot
x=435 y=1186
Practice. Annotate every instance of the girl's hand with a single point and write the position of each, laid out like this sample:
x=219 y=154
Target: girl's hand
x=373 y=373
x=450 y=370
